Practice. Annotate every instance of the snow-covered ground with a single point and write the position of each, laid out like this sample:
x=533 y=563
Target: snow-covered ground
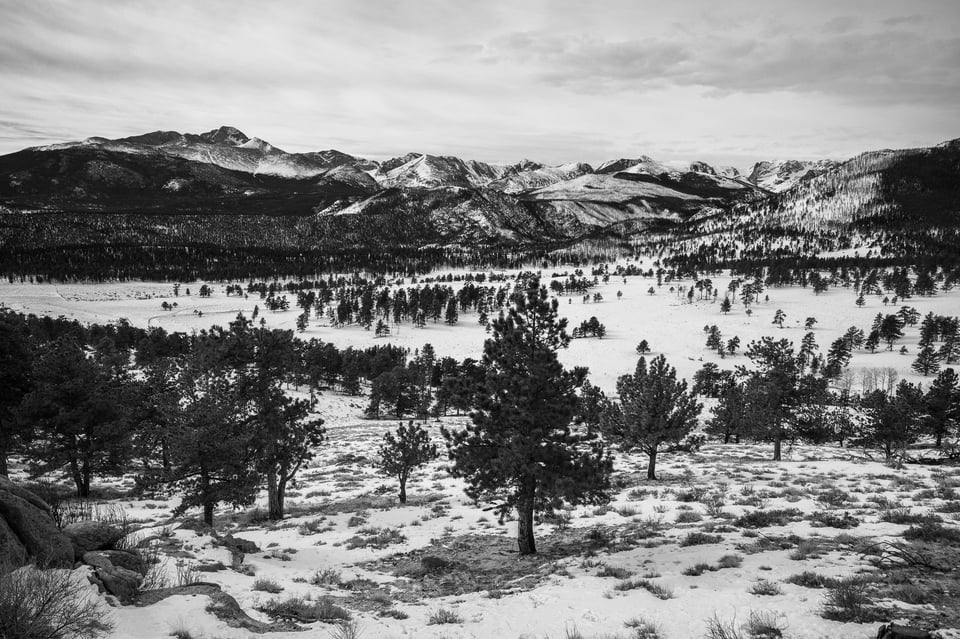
x=638 y=536
x=669 y=323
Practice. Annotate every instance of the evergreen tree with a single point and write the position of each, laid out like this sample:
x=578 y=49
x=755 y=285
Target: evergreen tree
x=733 y=344
x=520 y=451
x=16 y=362
x=714 y=339
x=838 y=357
x=894 y=419
x=397 y=389
x=654 y=408
x=891 y=329
x=779 y=317
x=643 y=347
x=400 y=454
x=872 y=341
x=451 y=315
x=942 y=406
x=776 y=388
x=75 y=414
x=212 y=443
x=927 y=361
x=730 y=413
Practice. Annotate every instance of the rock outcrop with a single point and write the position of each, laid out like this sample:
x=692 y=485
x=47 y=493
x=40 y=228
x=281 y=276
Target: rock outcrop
x=28 y=532
x=87 y=536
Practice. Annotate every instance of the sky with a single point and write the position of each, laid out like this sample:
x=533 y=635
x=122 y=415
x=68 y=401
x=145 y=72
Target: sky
x=555 y=81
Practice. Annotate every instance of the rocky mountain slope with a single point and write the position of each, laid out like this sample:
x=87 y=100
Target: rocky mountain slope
x=420 y=199
x=888 y=188
x=783 y=175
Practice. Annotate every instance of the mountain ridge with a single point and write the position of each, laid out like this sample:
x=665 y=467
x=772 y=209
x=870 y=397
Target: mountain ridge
x=420 y=199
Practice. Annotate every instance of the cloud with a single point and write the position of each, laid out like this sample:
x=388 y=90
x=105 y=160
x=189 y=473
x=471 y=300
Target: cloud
x=556 y=80
x=889 y=66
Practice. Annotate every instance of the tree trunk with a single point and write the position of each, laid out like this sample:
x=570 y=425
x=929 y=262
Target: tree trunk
x=4 y=469
x=777 y=441
x=77 y=477
x=206 y=497
x=652 y=464
x=208 y=511
x=274 y=507
x=3 y=460
x=403 y=491
x=525 y=540
x=86 y=478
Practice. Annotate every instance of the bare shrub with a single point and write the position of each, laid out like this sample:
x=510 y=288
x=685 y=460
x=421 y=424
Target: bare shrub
x=48 y=604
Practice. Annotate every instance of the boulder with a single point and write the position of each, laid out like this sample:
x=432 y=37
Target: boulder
x=894 y=631
x=431 y=563
x=120 y=582
x=12 y=552
x=28 y=531
x=239 y=544
x=121 y=558
x=91 y=535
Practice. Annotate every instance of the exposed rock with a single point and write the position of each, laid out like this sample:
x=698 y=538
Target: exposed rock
x=893 y=631
x=239 y=544
x=431 y=562
x=91 y=535
x=120 y=582
x=121 y=558
x=222 y=605
x=28 y=531
x=12 y=552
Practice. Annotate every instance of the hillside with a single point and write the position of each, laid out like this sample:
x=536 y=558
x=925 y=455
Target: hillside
x=225 y=191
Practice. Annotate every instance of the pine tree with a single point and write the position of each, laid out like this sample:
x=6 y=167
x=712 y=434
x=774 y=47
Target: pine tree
x=872 y=341
x=75 y=413
x=776 y=388
x=942 y=406
x=894 y=419
x=654 y=409
x=838 y=357
x=927 y=361
x=643 y=347
x=779 y=317
x=400 y=454
x=520 y=451
x=16 y=362
x=729 y=414
x=212 y=443
x=451 y=314
x=890 y=330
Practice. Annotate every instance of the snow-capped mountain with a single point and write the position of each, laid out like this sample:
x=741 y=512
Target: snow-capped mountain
x=230 y=148
x=420 y=199
x=528 y=175
x=782 y=175
x=419 y=170
x=887 y=187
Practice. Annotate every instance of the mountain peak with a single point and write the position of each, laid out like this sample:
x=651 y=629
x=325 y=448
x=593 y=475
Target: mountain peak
x=226 y=135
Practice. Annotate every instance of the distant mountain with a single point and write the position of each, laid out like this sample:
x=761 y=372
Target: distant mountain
x=337 y=200
x=421 y=170
x=229 y=148
x=909 y=187
x=779 y=176
x=527 y=176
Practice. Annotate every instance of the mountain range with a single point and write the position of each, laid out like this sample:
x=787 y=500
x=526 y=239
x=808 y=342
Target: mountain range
x=229 y=148
x=429 y=199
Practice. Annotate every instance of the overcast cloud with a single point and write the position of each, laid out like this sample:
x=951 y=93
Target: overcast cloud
x=553 y=80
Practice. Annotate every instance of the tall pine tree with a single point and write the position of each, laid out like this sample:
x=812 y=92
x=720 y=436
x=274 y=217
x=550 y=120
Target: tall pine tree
x=520 y=452
x=654 y=408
